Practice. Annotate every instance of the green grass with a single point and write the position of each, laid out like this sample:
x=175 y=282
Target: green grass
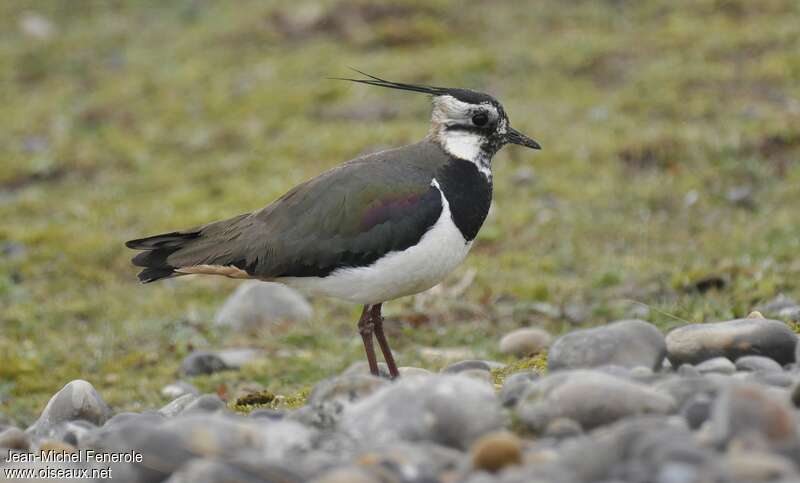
x=134 y=118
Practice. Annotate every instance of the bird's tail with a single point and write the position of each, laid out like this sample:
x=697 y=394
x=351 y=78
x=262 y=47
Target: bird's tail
x=164 y=255
x=156 y=249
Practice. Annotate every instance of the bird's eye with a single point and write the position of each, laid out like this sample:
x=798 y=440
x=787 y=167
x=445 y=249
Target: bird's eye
x=480 y=119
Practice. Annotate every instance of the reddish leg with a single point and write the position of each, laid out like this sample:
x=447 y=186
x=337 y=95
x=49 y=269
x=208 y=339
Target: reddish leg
x=366 y=327
x=377 y=322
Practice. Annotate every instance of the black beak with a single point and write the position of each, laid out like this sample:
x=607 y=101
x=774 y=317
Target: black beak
x=515 y=137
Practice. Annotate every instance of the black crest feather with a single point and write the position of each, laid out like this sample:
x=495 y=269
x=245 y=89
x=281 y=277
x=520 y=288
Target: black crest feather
x=465 y=95
x=377 y=81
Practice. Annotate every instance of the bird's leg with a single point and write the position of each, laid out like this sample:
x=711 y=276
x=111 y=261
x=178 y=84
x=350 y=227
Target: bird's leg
x=366 y=327
x=377 y=322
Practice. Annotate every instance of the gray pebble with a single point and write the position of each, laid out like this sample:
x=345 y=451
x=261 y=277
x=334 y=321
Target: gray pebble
x=345 y=389
x=757 y=363
x=177 y=405
x=179 y=388
x=562 y=428
x=451 y=410
x=236 y=358
x=330 y=397
x=781 y=306
x=682 y=388
x=347 y=474
x=205 y=362
x=479 y=375
x=719 y=365
x=759 y=466
x=688 y=370
x=771 y=378
x=77 y=400
x=269 y=414
x=162 y=450
x=460 y=366
x=591 y=398
x=515 y=386
x=202 y=362
x=412 y=462
x=628 y=450
x=695 y=343
x=210 y=471
x=120 y=418
x=626 y=343
x=207 y=403
x=641 y=373
x=72 y=432
x=677 y=472
x=696 y=410
x=255 y=304
x=744 y=409
x=225 y=435
x=407 y=372
x=525 y=342
x=362 y=368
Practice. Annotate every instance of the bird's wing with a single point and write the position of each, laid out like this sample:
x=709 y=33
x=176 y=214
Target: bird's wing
x=349 y=216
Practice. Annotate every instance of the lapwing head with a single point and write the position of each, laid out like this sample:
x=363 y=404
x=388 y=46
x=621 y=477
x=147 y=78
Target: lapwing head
x=468 y=124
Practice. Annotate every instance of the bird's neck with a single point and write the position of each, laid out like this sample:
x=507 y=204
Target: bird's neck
x=468 y=146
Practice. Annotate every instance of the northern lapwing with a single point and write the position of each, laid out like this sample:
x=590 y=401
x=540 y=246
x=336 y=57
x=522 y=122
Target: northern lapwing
x=376 y=228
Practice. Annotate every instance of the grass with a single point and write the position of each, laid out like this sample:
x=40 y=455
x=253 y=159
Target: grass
x=670 y=134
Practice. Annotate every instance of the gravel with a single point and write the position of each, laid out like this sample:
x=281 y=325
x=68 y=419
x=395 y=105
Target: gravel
x=724 y=409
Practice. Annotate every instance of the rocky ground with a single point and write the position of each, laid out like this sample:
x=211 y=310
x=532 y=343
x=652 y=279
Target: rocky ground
x=621 y=402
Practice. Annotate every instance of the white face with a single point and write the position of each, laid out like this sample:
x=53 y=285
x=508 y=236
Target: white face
x=464 y=129
x=449 y=111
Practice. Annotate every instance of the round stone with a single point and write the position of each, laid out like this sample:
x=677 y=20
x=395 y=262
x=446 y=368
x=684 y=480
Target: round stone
x=757 y=363
x=525 y=342
x=744 y=409
x=77 y=400
x=346 y=475
x=697 y=410
x=719 y=365
x=771 y=378
x=202 y=362
x=467 y=365
x=591 y=398
x=178 y=389
x=733 y=339
x=561 y=428
x=450 y=410
x=478 y=374
x=494 y=451
x=256 y=304
x=515 y=386
x=626 y=343
x=408 y=371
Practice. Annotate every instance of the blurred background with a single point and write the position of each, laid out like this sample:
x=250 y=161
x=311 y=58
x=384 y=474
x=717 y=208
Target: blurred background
x=667 y=188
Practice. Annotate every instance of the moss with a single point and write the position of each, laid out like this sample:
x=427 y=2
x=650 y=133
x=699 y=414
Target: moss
x=255 y=399
x=537 y=363
x=267 y=400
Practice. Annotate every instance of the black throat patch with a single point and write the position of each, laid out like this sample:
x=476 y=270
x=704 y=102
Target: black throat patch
x=469 y=194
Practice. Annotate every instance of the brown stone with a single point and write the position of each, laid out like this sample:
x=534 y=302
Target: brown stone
x=494 y=451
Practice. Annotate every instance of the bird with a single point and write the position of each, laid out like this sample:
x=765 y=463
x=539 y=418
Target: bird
x=373 y=229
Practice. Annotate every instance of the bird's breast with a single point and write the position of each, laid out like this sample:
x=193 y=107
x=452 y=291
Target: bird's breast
x=469 y=194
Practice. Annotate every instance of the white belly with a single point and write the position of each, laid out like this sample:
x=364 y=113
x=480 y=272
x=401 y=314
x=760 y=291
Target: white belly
x=416 y=269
